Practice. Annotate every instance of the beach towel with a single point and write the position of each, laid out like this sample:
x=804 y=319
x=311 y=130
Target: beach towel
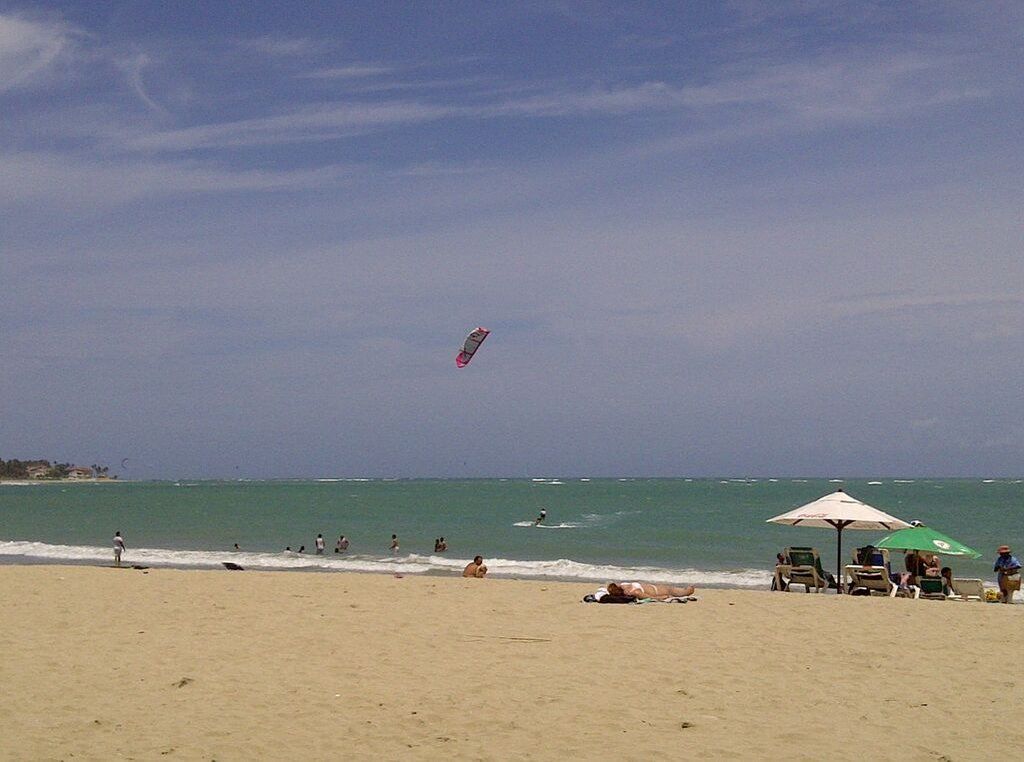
x=673 y=599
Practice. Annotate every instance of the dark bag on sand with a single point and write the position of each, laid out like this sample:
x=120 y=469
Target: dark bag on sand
x=617 y=599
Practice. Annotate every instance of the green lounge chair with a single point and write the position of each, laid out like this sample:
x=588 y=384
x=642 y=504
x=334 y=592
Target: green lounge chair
x=805 y=569
x=931 y=588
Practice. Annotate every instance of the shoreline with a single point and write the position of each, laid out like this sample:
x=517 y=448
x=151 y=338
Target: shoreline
x=200 y=665
x=38 y=561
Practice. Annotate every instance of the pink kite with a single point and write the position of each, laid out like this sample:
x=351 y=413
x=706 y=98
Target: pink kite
x=473 y=342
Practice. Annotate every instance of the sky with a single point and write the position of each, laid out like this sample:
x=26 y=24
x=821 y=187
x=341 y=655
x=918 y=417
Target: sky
x=241 y=240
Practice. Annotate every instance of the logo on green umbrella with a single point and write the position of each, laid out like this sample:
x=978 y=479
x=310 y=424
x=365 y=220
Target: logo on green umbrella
x=941 y=544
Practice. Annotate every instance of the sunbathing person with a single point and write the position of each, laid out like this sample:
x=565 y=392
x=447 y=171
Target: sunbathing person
x=649 y=590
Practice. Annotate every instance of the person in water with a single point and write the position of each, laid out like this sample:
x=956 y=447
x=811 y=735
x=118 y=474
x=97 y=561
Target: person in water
x=319 y=544
x=649 y=590
x=543 y=515
x=118 y=547
x=442 y=545
x=342 y=544
x=394 y=543
x=475 y=568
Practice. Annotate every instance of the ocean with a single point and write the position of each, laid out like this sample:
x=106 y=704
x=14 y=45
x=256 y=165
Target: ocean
x=700 y=531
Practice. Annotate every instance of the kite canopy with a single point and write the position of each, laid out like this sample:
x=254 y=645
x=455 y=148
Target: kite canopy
x=473 y=342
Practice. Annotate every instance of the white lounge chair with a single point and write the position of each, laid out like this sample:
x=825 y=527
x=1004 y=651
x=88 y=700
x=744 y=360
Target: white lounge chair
x=874 y=579
x=968 y=590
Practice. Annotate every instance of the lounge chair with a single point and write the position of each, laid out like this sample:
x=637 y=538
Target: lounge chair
x=879 y=557
x=805 y=569
x=874 y=579
x=969 y=589
x=932 y=588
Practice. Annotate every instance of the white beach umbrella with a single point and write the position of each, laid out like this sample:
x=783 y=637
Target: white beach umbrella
x=840 y=511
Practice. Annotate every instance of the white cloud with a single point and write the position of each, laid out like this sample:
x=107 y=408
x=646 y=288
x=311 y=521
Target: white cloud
x=279 y=46
x=802 y=95
x=29 y=49
x=133 y=68
x=348 y=72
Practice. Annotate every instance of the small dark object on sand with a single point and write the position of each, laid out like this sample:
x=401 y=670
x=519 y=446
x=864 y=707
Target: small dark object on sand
x=232 y=566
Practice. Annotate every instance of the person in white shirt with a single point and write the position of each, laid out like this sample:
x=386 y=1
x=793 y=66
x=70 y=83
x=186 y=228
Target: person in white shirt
x=118 y=547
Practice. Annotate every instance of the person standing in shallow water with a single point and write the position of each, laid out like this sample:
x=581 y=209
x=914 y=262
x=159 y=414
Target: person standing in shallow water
x=394 y=543
x=118 y=547
x=342 y=544
x=319 y=544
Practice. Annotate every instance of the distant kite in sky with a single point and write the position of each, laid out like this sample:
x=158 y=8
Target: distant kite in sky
x=124 y=462
x=473 y=342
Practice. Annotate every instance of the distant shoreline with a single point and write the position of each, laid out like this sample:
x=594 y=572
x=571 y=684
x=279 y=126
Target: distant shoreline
x=33 y=482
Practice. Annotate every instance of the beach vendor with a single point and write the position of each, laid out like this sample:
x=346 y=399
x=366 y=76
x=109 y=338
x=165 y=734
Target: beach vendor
x=1007 y=569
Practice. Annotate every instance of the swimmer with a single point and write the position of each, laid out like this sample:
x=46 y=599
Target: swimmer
x=394 y=543
x=342 y=544
x=475 y=568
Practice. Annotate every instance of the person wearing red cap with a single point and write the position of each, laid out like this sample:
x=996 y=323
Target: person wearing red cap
x=1007 y=569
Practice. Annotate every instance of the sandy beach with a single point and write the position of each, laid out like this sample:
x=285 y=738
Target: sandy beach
x=101 y=663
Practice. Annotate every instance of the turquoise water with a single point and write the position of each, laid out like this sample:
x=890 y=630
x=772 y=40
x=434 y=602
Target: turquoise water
x=707 y=531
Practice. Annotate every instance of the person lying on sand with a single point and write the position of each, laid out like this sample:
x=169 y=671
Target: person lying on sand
x=649 y=590
x=475 y=568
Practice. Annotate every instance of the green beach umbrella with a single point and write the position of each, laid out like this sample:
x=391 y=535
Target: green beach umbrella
x=925 y=538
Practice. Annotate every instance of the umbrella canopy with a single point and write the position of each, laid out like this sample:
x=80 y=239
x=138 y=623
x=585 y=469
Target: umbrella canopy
x=839 y=511
x=925 y=538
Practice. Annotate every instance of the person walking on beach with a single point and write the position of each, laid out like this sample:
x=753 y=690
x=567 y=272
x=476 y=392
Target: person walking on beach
x=342 y=544
x=118 y=547
x=475 y=568
x=319 y=544
x=394 y=543
x=1007 y=569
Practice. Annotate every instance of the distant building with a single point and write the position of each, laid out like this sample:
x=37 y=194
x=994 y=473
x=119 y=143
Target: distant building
x=79 y=472
x=37 y=472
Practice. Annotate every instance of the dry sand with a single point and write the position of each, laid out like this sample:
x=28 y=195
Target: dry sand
x=100 y=663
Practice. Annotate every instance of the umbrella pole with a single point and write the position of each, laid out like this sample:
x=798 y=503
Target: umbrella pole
x=839 y=559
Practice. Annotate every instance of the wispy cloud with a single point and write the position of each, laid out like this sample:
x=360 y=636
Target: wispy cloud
x=281 y=46
x=132 y=67
x=30 y=49
x=805 y=93
x=354 y=71
x=29 y=177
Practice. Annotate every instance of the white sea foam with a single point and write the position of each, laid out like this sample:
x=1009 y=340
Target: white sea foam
x=874 y=482
x=562 y=568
